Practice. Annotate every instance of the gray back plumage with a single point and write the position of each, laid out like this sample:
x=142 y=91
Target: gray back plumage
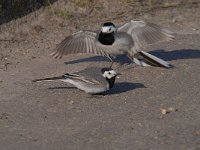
x=93 y=73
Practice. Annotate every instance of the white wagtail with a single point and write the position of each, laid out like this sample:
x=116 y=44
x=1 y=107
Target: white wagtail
x=110 y=41
x=93 y=80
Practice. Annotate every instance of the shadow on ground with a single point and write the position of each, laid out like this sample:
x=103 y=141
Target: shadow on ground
x=119 y=58
x=124 y=87
x=13 y=9
x=161 y=53
x=177 y=54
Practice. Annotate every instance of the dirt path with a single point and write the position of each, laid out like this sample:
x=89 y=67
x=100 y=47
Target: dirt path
x=57 y=116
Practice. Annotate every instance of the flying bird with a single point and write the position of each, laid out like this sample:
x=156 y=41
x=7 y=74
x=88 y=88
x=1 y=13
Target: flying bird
x=130 y=39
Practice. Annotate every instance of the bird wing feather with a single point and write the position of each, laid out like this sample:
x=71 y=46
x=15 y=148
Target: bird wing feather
x=144 y=33
x=80 y=42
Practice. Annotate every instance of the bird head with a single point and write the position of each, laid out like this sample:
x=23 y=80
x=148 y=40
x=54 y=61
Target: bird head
x=109 y=73
x=108 y=27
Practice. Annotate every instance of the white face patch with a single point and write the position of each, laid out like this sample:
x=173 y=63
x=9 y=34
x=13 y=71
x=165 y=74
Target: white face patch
x=109 y=74
x=108 y=29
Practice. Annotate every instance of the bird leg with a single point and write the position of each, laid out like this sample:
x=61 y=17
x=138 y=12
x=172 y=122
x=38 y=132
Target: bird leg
x=112 y=62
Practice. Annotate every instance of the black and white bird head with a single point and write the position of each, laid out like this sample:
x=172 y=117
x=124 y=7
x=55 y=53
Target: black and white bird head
x=108 y=27
x=108 y=73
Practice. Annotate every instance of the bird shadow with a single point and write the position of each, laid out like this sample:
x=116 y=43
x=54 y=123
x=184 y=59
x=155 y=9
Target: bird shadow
x=119 y=58
x=161 y=53
x=176 y=54
x=124 y=87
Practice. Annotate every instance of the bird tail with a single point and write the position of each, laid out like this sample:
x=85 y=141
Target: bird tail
x=49 y=79
x=145 y=59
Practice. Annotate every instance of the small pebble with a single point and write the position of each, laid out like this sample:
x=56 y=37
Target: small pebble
x=194 y=29
x=168 y=110
x=174 y=20
x=71 y=102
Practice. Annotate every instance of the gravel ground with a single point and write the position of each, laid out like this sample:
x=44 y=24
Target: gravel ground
x=148 y=108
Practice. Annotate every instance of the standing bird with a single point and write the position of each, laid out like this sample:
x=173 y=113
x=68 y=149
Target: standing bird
x=110 y=41
x=92 y=80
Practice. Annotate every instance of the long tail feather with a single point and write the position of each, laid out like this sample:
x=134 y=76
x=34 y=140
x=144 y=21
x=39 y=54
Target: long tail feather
x=49 y=79
x=149 y=59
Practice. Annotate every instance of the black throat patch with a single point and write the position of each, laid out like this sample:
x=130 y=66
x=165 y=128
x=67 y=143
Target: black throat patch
x=111 y=81
x=106 y=38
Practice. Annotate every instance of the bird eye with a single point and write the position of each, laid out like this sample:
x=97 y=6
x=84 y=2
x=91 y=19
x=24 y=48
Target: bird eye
x=109 y=73
x=110 y=29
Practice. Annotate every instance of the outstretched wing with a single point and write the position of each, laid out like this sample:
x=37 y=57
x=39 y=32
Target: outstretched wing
x=80 y=42
x=144 y=33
